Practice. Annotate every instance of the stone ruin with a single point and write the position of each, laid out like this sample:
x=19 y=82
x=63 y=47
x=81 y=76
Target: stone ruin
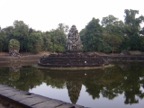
x=69 y=59
x=74 y=41
x=73 y=57
x=14 y=53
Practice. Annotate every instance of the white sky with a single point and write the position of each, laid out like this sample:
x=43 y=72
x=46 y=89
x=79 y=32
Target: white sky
x=45 y=15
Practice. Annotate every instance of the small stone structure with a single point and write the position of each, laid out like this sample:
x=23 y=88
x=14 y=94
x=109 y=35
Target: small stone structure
x=74 y=41
x=14 y=52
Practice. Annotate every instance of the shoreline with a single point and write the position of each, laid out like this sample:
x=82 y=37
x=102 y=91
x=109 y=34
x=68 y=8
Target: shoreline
x=29 y=59
x=73 y=68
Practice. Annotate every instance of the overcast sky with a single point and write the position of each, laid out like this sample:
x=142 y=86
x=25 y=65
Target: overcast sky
x=45 y=15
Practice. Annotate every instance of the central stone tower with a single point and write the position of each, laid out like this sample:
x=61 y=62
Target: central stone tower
x=73 y=41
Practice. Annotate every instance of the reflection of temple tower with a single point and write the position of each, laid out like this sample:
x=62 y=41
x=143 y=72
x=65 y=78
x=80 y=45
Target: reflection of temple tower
x=74 y=89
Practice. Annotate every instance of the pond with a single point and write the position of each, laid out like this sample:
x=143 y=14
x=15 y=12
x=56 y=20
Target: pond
x=121 y=86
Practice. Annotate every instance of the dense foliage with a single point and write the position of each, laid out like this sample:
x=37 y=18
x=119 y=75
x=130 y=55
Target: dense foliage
x=114 y=35
x=14 y=44
x=108 y=35
x=31 y=40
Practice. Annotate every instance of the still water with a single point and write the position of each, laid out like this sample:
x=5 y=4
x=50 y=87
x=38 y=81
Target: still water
x=121 y=86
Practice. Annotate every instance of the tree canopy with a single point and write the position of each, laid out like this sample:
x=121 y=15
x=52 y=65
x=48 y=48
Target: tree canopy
x=32 y=40
x=115 y=35
x=108 y=35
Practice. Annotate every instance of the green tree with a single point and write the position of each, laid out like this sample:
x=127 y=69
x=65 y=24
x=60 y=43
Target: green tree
x=109 y=20
x=47 y=43
x=2 y=41
x=35 y=42
x=58 y=39
x=14 y=44
x=112 y=33
x=132 y=29
x=6 y=35
x=63 y=28
x=92 y=36
x=21 y=33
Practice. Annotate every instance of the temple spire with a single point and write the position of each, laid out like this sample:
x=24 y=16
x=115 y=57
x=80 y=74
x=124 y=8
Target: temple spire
x=74 y=41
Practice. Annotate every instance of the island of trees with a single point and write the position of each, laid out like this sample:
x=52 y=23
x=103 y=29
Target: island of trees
x=110 y=35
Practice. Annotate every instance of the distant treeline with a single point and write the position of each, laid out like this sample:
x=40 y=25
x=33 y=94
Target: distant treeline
x=108 y=35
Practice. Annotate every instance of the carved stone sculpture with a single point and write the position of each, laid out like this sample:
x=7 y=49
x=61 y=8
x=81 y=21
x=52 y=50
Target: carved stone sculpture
x=74 y=41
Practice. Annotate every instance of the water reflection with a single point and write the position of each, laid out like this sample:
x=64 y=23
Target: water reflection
x=74 y=89
x=110 y=83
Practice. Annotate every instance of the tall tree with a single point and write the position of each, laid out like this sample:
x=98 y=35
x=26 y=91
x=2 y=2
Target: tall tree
x=6 y=35
x=63 y=28
x=21 y=32
x=109 y=20
x=2 y=41
x=47 y=43
x=112 y=33
x=132 y=29
x=92 y=36
x=58 y=39
x=35 y=42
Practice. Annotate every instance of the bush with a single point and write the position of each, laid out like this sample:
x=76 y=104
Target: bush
x=14 y=45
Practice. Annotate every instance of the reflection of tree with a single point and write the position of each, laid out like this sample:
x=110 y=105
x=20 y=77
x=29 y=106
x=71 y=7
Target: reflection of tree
x=94 y=89
x=93 y=86
x=30 y=77
x=74 y=89
x=14 y=76
x=55 y=82
x=131 y=85
x=107 y=83
x=110 y=82
x=115 y=81
x=4 y=75
x=25 y=79
x=130 y=97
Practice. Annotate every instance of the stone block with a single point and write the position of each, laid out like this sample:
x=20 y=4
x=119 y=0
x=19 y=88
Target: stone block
x=48 y=104
x=34 y=100
x=21 y=96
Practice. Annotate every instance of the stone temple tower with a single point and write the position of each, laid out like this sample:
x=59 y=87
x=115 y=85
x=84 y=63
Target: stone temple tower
x=73 y=40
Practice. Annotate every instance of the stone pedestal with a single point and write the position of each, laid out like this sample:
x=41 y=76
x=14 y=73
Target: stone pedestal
x=72 y=60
